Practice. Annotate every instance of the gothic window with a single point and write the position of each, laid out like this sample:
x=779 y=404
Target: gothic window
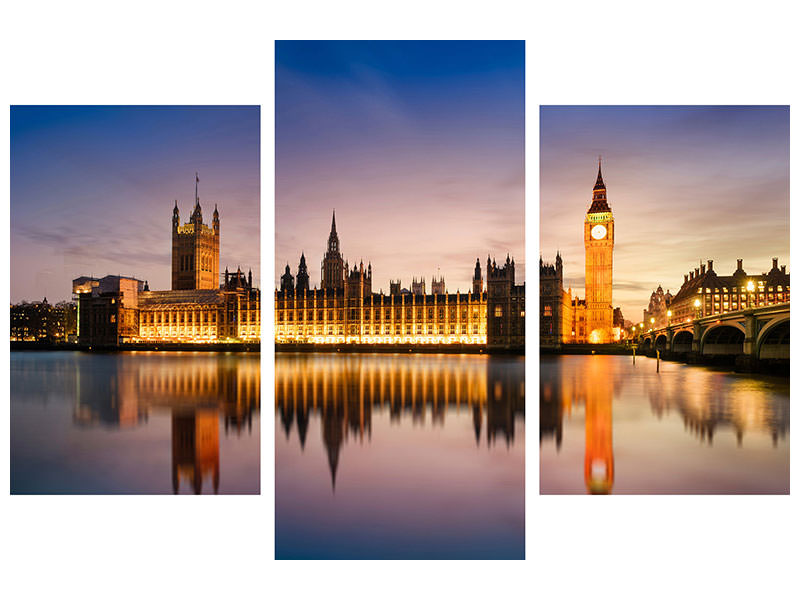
x=498 y=311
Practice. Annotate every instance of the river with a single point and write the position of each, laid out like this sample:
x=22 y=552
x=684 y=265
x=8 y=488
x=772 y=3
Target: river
x=399 y=456
x=135 y=423
x=608 y=425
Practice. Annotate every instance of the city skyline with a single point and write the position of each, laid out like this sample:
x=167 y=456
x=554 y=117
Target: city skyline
x=686 y=184
x=418 y=146
x=93 y=189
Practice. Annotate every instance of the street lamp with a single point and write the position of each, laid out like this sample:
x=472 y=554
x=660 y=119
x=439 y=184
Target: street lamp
x=750 y=289
x=697 y=308
x=669 y=317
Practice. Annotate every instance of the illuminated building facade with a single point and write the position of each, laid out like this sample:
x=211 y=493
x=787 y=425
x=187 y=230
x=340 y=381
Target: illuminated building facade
x=198 y=309
x=598 y=238
x=705 y=293
x=231 y=312
x=346 y=310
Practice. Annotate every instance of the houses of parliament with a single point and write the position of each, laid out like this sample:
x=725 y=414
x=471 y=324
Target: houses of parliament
x=200 y=307
x=345 y=310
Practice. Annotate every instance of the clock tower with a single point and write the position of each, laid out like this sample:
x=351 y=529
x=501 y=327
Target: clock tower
x=598 y=240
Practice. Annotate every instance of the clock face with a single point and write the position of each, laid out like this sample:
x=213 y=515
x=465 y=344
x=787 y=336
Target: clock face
x=599 y=232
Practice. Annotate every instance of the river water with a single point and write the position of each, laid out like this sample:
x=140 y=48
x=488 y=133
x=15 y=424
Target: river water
x=399 y=456
x=610 y=426
x=135 y=423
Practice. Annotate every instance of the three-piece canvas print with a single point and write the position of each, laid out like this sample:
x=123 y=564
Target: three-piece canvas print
x=398 y=303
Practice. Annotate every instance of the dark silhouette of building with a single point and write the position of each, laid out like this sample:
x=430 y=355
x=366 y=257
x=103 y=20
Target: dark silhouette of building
x=302 y=274
x=44 y=322
x=333 y=269
x=505 y=321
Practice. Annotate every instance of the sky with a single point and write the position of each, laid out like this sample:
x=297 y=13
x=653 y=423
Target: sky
x=93 y=188
x=418 y=146
x=686 y=184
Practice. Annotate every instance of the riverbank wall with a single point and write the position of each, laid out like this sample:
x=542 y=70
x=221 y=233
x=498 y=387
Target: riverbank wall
x=398 y=348
x=733 y=362
x=143 y=347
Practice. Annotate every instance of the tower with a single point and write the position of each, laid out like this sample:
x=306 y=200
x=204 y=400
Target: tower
x=598 y=240
x=477 y=280
x=333 y=270
x=302 y=274
x=287 y=281
x=195 y=249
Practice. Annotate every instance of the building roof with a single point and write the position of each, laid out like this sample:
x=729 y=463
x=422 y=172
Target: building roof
x=171 y=297
x=709 y=279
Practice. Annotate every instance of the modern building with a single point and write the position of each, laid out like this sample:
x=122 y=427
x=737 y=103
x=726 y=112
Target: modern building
x=598 y=239
x=198 y=309
x=346 y=310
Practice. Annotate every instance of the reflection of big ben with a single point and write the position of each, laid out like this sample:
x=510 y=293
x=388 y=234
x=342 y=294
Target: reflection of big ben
x=598 y=461
x=598 y=240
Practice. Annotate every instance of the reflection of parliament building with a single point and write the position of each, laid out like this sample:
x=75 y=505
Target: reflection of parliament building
x=198 y=308
x=344 y=391
x=346 y=310
x=198 y=393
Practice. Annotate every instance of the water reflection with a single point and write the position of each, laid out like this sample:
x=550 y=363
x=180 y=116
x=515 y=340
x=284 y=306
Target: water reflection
x=422 y=456
x=344 y=390
x=183 y=399
x=707 y=403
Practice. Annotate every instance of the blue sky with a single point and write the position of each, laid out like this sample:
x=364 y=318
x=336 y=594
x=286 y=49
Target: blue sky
x=92 y=190
x=419 y=146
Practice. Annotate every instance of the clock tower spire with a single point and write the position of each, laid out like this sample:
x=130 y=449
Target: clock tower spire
x=598 y=240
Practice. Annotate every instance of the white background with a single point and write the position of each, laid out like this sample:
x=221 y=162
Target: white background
x=222 y=53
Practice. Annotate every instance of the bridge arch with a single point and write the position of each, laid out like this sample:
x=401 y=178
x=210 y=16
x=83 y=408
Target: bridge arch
x=682 y=341
x=661 y=342
x=773 y=339
x=723 y=338
x=647 y=343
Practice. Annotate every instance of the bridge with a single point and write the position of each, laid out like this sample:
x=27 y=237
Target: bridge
x=751 y=336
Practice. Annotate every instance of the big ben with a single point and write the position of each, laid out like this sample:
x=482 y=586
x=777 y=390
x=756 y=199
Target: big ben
x=598 y=240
